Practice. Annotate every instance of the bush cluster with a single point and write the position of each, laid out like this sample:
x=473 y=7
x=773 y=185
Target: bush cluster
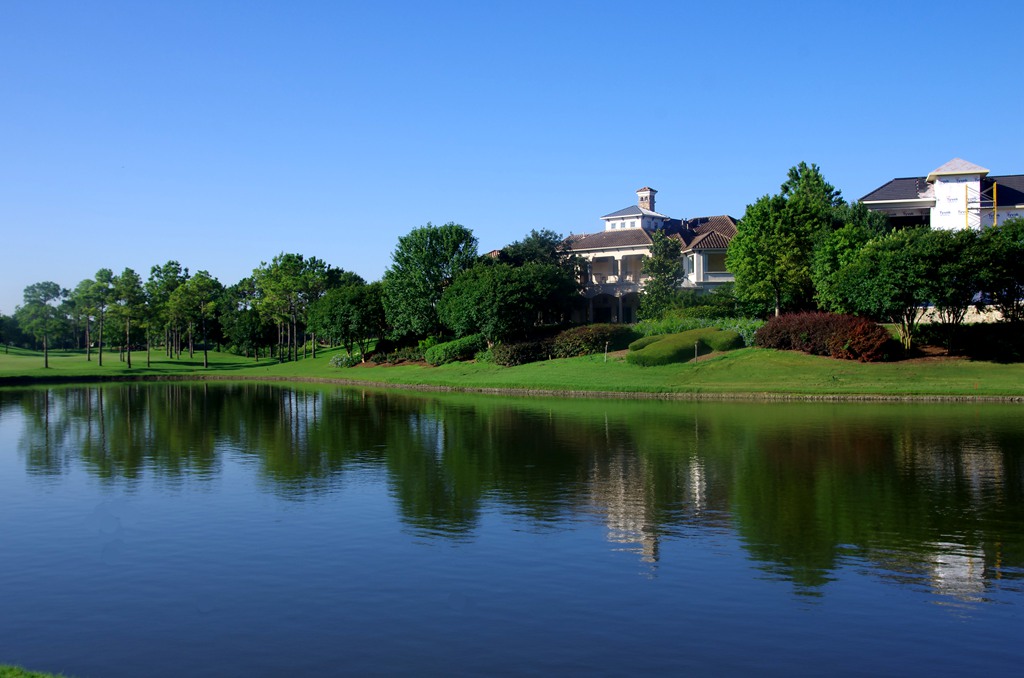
x=345 y=360
x=588 y=339
x=398 y=355
x=845 y=337
x=520 y=353
x=679 y=348
x=459 y=349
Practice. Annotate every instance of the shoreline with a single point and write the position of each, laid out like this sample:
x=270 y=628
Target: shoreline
x=7 y=382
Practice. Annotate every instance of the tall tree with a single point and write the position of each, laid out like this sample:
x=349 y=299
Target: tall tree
x=102 y=295
x=85 y=301
x=39 y=315
x=162 y=282
x=772 y=251
x=664 y=271
x=424 y=263
x=279 y=286
x=764 y=256
x=243 y=325
x=196 y=300
x=130 y=300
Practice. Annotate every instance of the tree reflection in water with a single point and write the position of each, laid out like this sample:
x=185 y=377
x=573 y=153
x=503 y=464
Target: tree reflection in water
x=932 y=495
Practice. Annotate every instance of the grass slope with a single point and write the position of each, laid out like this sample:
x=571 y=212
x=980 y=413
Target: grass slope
x=745 y=371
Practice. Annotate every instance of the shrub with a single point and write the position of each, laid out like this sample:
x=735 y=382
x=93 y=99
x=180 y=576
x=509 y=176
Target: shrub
x=426 y=344
x=510 y=355
x=645 y=341
x=844 y=337
x=679 y=348
x=723 y=340
x=459 y=349
x=485 y=357
x=345 y=360
x=587 y=339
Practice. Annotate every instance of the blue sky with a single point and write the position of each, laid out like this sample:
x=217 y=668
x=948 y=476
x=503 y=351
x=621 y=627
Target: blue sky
x=221 y=133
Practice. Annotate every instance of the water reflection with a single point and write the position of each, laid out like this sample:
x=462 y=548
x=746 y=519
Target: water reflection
x=929 y=496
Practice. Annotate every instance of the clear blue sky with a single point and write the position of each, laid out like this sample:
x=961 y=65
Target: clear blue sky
x=222 y=133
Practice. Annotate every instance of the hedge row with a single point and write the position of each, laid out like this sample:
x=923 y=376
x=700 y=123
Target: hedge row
x=674 y=323
x=588 y=339
x=681 y=347
x=570 y=343
x=459 y=349
x=845 y=337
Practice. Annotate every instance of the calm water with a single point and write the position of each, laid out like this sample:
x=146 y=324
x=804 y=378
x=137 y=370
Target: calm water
x=247 y=529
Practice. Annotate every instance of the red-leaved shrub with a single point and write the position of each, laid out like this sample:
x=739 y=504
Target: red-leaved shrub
x=846 y=337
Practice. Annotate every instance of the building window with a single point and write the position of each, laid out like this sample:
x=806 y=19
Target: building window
x=716 y=262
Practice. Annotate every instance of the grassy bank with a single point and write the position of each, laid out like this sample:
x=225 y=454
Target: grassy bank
x=746 y=371
x=18 y=672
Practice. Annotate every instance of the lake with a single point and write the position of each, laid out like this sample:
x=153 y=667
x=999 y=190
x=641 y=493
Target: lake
x=261 y=530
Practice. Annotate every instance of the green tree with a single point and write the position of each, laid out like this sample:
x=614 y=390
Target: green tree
x=774 y=244
x=664 y=271
x=425 y=262
x=243 y=325
x=764 y=256
x=163 y=280
x=101 y=296
x=855 y=226
x=502 y=301
x=130 y=302
x=891 y=279
x=39 y=315
x=196 y=300
x=85 y=301
x=1002 y=268
x=955 y=265
x=351 y=314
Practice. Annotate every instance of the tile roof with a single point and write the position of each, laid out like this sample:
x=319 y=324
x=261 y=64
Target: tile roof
x=629 y=237
x=701 y=233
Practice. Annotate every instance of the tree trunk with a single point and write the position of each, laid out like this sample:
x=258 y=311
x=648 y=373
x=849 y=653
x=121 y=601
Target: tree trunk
x=46 y=354
x=147 y=348
x=127 y=339
x=101 y=341
x=313 y=335
x=88 y=342
x=206 y=361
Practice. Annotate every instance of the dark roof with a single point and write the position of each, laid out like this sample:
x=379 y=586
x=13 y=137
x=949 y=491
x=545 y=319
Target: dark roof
x=629 y=237
x=1010 y=191
x=906 y=188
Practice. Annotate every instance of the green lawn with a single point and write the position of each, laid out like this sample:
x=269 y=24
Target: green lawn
x=746 y=371
x=18 y=672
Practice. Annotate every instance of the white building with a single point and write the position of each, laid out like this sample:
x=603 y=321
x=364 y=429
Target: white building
x=957 y=195
x=615 y=255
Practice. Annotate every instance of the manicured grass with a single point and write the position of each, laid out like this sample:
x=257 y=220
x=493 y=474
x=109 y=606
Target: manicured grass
x=745 y=371
x=18 y=672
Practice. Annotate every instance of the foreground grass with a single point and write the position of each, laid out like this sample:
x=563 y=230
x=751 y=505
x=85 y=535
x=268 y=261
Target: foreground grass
x=18 y=672
x=746 y=371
